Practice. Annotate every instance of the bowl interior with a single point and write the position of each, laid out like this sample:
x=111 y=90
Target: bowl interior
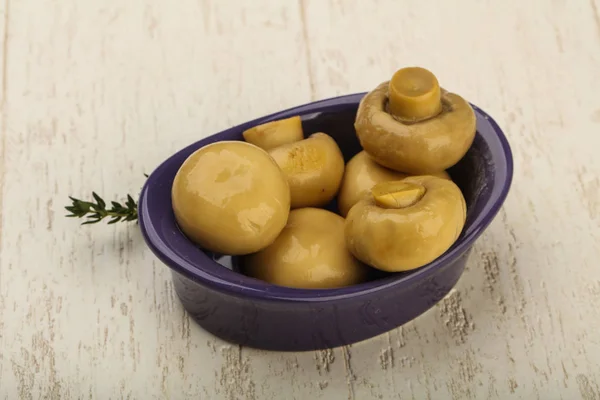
x=484 y=175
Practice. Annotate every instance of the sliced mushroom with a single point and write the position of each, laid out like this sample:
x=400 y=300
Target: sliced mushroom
x=309 y=253
x=314 y=168
x=230 y=197
x=275 y=133
x=361 y=174
x=406 y=224
x=410 y=124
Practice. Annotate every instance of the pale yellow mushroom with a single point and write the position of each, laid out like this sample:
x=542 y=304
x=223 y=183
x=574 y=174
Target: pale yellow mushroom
x=275 y=133
x=361 y=174
x=230 y=197
x=411 y=125
x=314 y=168
x=406 y=224
x=310 y=253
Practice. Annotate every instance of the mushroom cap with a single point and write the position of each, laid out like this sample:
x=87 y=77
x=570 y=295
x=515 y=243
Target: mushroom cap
x=423 y=147
x=361 y=174
x=230 y=197
x=273 y=134
x=309 y=253
x=412 y=235
x=314 y=168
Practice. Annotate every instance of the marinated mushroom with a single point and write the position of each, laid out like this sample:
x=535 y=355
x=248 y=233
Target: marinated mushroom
x=275 y=133
x=230 y=197
x=314 y=168
x=406 y=224
x=361 y=174
x=310 y=253
x=410 y=124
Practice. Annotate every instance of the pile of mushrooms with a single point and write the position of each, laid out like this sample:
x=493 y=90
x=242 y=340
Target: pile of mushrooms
x=262 y=198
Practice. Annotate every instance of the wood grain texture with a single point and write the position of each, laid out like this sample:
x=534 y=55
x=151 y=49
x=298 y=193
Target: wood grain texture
x=94 y=94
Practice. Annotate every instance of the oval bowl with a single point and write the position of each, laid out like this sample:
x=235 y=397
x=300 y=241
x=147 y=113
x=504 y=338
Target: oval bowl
x=249 y=312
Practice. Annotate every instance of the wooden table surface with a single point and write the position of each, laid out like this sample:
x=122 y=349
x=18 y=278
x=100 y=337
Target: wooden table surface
x=96 y=93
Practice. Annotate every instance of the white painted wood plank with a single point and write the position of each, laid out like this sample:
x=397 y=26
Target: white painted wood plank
x=3 y=35
x=99 y=93
x=88 y=312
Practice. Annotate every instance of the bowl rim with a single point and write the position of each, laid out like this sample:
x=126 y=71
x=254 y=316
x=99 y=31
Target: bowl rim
x=244 y=286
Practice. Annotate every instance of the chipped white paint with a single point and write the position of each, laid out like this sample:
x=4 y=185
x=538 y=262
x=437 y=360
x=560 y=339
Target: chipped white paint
x=95 y=93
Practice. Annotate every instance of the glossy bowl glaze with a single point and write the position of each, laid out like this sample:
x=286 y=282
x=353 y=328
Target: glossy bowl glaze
x=246 y=311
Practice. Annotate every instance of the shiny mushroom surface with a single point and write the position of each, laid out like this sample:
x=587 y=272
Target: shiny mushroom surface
x=314 y=168
x=361 y=174
x=406 y=224
x=412 y=125
x=231 y=197
x=310 y=253
x=273 y=134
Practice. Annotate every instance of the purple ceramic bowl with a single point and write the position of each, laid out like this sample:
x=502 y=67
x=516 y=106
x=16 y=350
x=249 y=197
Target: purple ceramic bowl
x=249 y=312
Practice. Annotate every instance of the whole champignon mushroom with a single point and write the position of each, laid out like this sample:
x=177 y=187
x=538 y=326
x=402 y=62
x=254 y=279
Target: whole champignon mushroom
x=310 y=253
x=230 y=197
x=410 y=124
x=314 y=168
x=273 y=134
x=361 y=174
x=406 y=224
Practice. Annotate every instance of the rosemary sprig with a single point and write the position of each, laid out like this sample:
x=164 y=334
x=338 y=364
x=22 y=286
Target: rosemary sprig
x=95 y=211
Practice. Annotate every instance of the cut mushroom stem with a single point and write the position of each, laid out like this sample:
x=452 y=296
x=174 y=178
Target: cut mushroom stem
x=397 y=194
x=414 y=95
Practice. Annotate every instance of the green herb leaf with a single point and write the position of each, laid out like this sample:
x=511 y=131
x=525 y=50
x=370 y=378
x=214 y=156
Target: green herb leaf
x=96 y=211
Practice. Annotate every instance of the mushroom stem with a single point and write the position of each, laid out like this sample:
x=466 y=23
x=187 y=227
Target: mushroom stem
x=397 y=194
x=414 y=95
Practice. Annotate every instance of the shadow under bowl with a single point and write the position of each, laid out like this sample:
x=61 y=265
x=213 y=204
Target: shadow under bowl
x=246 y=311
